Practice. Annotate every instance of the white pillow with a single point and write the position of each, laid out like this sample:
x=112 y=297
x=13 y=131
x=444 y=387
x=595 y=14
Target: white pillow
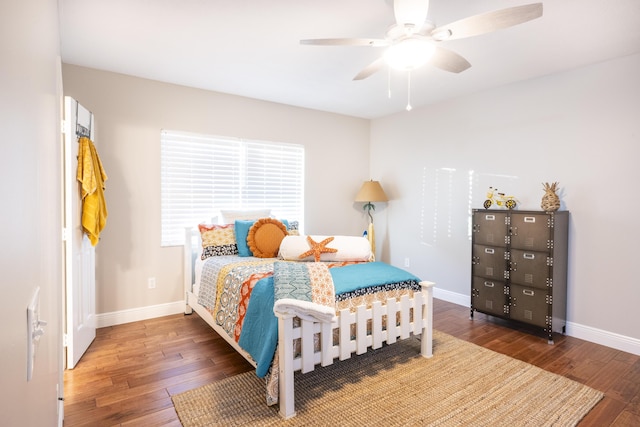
x=229 y=216
x=350 y=248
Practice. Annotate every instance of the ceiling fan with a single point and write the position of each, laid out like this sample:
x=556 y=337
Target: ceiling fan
x=414 y=40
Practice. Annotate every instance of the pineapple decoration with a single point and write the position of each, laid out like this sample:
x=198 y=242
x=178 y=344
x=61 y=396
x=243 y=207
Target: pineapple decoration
x=550 y=200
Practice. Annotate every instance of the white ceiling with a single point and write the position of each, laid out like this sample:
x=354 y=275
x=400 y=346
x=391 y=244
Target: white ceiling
x=252 y=49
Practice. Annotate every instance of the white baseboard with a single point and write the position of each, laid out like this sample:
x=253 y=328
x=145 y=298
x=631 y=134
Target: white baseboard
x=587 y=333
x=140 y=313
x=598 y=336
x=453 y=297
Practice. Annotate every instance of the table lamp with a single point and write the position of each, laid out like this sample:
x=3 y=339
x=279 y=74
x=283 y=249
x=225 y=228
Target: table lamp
x=371 y=191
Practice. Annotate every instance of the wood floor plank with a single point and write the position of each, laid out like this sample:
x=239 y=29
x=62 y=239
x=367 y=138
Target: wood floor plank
x=627 y=419
x=146 y=376
x=604 y=413
x=607 y=376
x=163 y=418
x=130 y=371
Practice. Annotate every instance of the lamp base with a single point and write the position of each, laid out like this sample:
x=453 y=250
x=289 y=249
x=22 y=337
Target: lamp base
x=372 y=241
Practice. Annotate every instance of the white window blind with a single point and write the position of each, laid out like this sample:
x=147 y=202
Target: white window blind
x=201 y=174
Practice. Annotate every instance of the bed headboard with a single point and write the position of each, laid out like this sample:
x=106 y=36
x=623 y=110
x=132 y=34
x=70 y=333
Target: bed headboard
x=191 y=250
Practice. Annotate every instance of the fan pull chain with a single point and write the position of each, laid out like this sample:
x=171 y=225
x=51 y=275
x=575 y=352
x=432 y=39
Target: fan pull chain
x=409 y=107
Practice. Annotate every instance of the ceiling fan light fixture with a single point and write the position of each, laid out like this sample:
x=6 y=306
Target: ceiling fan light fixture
x=409 y=54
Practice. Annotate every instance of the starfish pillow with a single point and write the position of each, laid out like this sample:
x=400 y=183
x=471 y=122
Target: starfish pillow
x=347 y=248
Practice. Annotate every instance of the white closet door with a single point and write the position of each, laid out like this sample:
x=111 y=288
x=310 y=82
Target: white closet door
x=80 y=255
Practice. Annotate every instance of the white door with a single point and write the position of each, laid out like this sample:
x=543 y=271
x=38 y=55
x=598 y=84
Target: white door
x=80 y=255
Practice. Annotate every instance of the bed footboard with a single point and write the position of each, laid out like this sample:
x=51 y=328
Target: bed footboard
x=415 y=317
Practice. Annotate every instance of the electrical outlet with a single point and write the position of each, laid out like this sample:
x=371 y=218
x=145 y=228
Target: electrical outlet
x=407 y=262
x=151 y=282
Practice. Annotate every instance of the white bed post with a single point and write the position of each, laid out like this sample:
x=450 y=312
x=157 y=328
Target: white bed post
x=285 y=364
x=187 y=252
x=426 y=340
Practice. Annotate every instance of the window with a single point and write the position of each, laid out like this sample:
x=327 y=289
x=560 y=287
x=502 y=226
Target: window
x=201 y=174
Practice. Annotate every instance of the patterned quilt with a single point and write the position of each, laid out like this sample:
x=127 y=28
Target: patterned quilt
x=226 y=286
x=304 y=289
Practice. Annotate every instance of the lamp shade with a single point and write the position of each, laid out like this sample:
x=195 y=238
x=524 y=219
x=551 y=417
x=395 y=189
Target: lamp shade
x=371 y=191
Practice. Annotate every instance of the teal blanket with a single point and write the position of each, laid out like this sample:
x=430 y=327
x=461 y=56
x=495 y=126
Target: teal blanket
x=356 y=277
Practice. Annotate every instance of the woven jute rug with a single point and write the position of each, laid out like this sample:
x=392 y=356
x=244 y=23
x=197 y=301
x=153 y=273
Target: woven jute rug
x=462 y=385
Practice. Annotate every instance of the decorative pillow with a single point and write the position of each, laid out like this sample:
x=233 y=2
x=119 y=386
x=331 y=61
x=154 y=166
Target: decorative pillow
x=217 y=240
x=242 y=227
x=292 y=228
x=229 y=216
x=350 y=248
x=265 y=236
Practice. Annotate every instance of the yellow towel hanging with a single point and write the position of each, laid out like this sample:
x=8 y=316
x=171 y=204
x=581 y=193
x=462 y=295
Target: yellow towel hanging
x=92 y=176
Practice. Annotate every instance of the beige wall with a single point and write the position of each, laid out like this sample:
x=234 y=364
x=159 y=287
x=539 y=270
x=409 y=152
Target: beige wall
x=30 y=191
x=130 y=112
x=580 y=128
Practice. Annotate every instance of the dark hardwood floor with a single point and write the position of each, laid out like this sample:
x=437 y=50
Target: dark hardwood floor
x=130 y=372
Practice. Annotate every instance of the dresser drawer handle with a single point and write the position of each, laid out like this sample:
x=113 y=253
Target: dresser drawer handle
x=490 y=217
x=489 y=250
x=529 y=256
x=489 y=284
x=528 y=292
x=529 y=219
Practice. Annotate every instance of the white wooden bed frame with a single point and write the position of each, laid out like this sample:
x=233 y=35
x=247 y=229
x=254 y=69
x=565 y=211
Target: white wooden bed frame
x=421 y=323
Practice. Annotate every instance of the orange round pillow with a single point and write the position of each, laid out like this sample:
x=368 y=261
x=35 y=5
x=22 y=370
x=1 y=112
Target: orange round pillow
x=265 y=236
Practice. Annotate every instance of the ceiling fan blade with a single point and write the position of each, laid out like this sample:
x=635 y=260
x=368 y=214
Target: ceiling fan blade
x=488 y=22
x=346 y=42
x=370 y=69
x=448 y=60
